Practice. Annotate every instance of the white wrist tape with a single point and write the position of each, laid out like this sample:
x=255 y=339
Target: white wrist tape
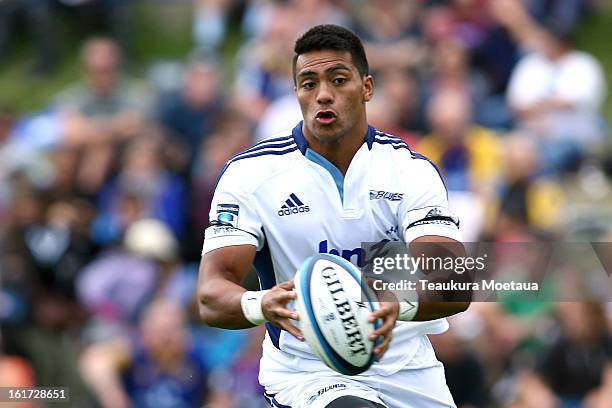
x=407 y=310
x=251 y=306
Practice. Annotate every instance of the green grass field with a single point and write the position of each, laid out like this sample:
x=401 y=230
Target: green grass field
x=163 y=32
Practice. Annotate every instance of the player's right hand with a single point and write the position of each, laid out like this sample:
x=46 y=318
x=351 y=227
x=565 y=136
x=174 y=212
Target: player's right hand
x=275 y=310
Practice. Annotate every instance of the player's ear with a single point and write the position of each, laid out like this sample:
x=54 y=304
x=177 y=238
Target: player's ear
x=368 y=88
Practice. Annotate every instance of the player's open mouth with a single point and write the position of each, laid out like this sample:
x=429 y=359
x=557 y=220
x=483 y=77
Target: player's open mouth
x=326 y=117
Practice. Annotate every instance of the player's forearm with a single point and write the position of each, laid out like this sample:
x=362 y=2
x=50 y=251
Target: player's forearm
x=437 y=310
x=437 y=304
x=219 y=304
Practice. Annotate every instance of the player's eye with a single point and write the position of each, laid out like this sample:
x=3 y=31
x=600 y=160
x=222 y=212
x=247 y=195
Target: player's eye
x=308 y=85
x=339 y=80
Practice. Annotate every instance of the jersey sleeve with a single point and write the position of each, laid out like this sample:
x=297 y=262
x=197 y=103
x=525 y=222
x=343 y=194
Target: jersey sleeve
x=233 y=217
x=424 y=210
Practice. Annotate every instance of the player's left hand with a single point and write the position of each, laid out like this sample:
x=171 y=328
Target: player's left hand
x=388 y=312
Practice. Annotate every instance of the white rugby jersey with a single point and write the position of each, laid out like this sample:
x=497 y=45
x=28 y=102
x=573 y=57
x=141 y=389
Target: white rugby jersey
x=291 y=203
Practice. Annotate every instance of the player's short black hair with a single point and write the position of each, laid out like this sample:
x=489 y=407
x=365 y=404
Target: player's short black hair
x=332 y=37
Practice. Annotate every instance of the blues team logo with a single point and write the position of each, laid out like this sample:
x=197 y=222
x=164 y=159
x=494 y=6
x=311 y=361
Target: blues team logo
x=227 y=214
x=385 y=195
x=324 y=390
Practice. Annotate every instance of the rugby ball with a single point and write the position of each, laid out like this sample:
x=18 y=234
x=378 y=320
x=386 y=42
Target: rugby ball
x=334 y=306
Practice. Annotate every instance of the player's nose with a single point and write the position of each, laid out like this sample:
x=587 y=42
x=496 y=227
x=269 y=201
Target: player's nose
x=325 y=94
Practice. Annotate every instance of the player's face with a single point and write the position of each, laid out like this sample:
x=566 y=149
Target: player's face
x=332 y=94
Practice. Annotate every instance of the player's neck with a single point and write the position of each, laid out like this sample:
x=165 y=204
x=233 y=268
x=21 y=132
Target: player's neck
x=341 y=152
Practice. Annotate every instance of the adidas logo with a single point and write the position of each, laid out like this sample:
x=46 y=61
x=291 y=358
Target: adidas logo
x=293 y=205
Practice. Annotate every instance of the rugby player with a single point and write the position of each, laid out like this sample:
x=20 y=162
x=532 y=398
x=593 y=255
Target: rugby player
x=330 y=184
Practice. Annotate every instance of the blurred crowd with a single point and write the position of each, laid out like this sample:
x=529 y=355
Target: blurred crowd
x=105 y=193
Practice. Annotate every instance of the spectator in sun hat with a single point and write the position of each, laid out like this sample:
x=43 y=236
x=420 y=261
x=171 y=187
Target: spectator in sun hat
x=118 y=284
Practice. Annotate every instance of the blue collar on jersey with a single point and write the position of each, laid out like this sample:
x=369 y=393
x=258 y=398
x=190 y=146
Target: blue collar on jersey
x=310 y=154
x=302 y=143
x=327 y=165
